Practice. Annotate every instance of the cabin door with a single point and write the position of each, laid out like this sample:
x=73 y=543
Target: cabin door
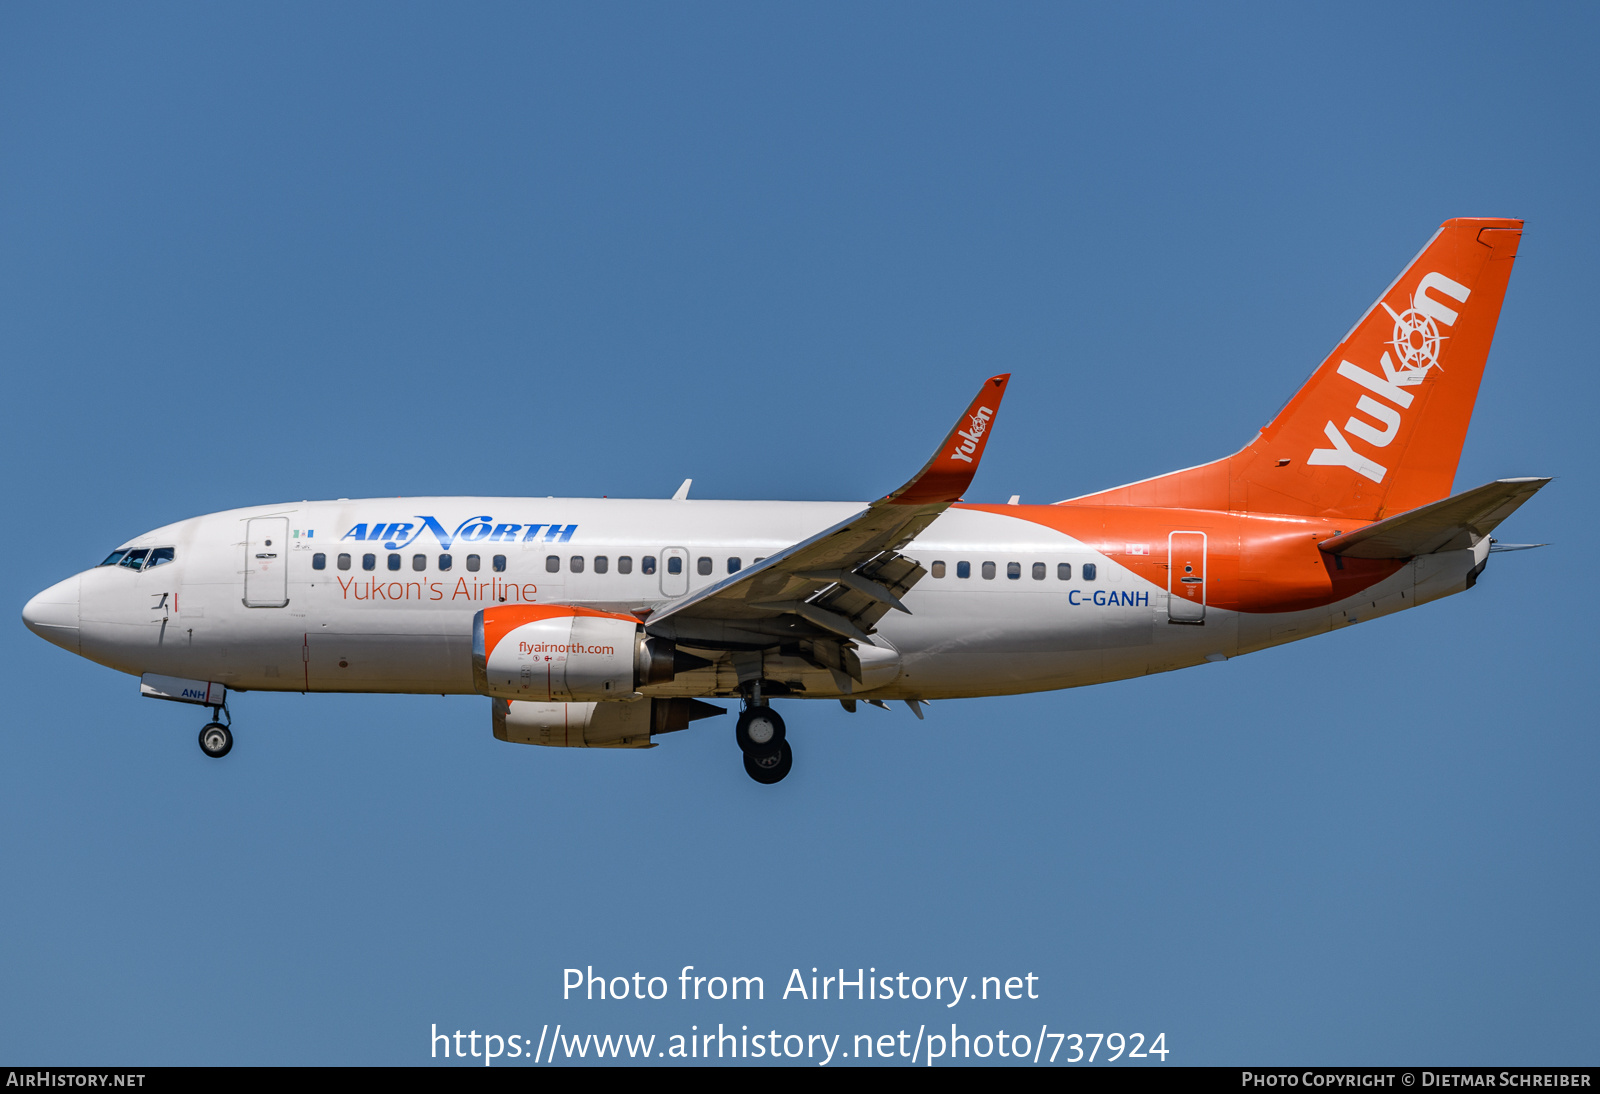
x=266 y=562
x=1186 y=577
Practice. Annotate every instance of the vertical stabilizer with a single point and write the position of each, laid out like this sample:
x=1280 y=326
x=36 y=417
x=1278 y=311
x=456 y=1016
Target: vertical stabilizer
x=1378 y=429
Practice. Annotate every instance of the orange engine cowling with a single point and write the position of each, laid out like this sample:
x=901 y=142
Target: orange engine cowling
x=557 y=653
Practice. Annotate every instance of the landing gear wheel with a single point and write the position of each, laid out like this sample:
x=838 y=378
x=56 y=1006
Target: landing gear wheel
x=216 y=740
x=769 y=765
x=759 y=729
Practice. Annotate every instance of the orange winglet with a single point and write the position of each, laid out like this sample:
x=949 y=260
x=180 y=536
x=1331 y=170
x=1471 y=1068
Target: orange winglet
x=946 y=476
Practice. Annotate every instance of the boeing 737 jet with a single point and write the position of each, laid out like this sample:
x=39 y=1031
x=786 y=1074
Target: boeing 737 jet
x=608 y=623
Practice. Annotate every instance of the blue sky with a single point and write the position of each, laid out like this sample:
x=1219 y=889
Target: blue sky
x=255 y=254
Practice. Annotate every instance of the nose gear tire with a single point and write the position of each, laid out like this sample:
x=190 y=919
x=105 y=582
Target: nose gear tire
x=216 y=740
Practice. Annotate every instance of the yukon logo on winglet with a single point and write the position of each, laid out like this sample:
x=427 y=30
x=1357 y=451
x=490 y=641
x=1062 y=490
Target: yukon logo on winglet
x=1416 y=340
x=973 y=434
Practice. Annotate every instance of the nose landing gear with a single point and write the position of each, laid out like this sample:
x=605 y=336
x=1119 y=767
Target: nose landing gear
x=216 y=739
x=761 y=735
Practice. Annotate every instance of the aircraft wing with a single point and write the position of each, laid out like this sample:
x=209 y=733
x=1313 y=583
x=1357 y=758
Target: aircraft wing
x=828 y=591
x=1452 y=524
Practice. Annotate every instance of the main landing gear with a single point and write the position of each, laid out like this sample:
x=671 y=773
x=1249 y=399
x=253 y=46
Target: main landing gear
x=760 y=734
x=216 y=739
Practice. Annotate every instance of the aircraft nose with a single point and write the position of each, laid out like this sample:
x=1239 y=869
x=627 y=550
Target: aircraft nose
x=53 y=614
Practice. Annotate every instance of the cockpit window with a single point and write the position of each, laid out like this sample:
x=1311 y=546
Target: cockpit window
x=141 y=558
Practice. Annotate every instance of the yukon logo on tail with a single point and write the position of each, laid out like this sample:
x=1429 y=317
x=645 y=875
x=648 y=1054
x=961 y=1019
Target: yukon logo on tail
x=1416 y=342
x=972 y=434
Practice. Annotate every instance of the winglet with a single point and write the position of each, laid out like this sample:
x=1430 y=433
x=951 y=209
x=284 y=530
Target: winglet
x=945 y=477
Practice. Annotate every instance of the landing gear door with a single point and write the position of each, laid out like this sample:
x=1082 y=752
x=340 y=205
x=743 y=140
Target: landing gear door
x=674 y=571
x=1186 y=577
x=266 y=562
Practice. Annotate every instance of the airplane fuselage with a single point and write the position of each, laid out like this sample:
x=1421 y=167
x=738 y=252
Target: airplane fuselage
x=380 y=595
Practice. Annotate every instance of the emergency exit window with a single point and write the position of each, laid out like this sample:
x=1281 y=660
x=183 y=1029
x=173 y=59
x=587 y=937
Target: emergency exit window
x=674 y=565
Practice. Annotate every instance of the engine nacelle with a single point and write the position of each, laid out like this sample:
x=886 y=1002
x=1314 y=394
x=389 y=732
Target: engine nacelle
x=595 y=725
x=561 y=654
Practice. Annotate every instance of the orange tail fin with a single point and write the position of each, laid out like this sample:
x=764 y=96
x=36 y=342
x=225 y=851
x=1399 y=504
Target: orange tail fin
x=1378 y=428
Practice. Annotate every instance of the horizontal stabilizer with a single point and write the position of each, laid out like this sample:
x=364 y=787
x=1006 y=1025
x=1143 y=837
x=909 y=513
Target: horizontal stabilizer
x=1453 y=524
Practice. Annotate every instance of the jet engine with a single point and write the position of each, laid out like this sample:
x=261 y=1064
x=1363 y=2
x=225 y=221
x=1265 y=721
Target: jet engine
x=595 y=725
x=557 y=653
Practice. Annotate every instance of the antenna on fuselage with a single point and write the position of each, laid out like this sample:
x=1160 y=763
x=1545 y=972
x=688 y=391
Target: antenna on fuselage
x=683 y=491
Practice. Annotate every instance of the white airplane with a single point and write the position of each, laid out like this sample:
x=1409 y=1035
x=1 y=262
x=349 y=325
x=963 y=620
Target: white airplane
x=606 y=623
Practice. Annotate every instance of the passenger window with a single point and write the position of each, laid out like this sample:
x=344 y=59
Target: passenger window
x=988 y=571
x=1013 y=571
x=1088 y=571
x=601 y=564
x=674 y=565
x=419 y=562
x=369 y=562
x=473 y=563
x=733 y=564
x=344 y=562
x=552 y=564
x=165 y=554
x=647 y=564
x=938 y=569
x=1063 y=571
x=445 y=562
x=319 y=561
x=394 y=562
x=703 y=565
x=577 y=564
x=624 y=564
x=963 y=569
x=113 y=558
x=499 y=564
x=133 y=560
x=1038 y=571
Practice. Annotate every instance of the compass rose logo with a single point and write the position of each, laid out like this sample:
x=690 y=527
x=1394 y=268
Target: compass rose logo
x=1416 y=343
